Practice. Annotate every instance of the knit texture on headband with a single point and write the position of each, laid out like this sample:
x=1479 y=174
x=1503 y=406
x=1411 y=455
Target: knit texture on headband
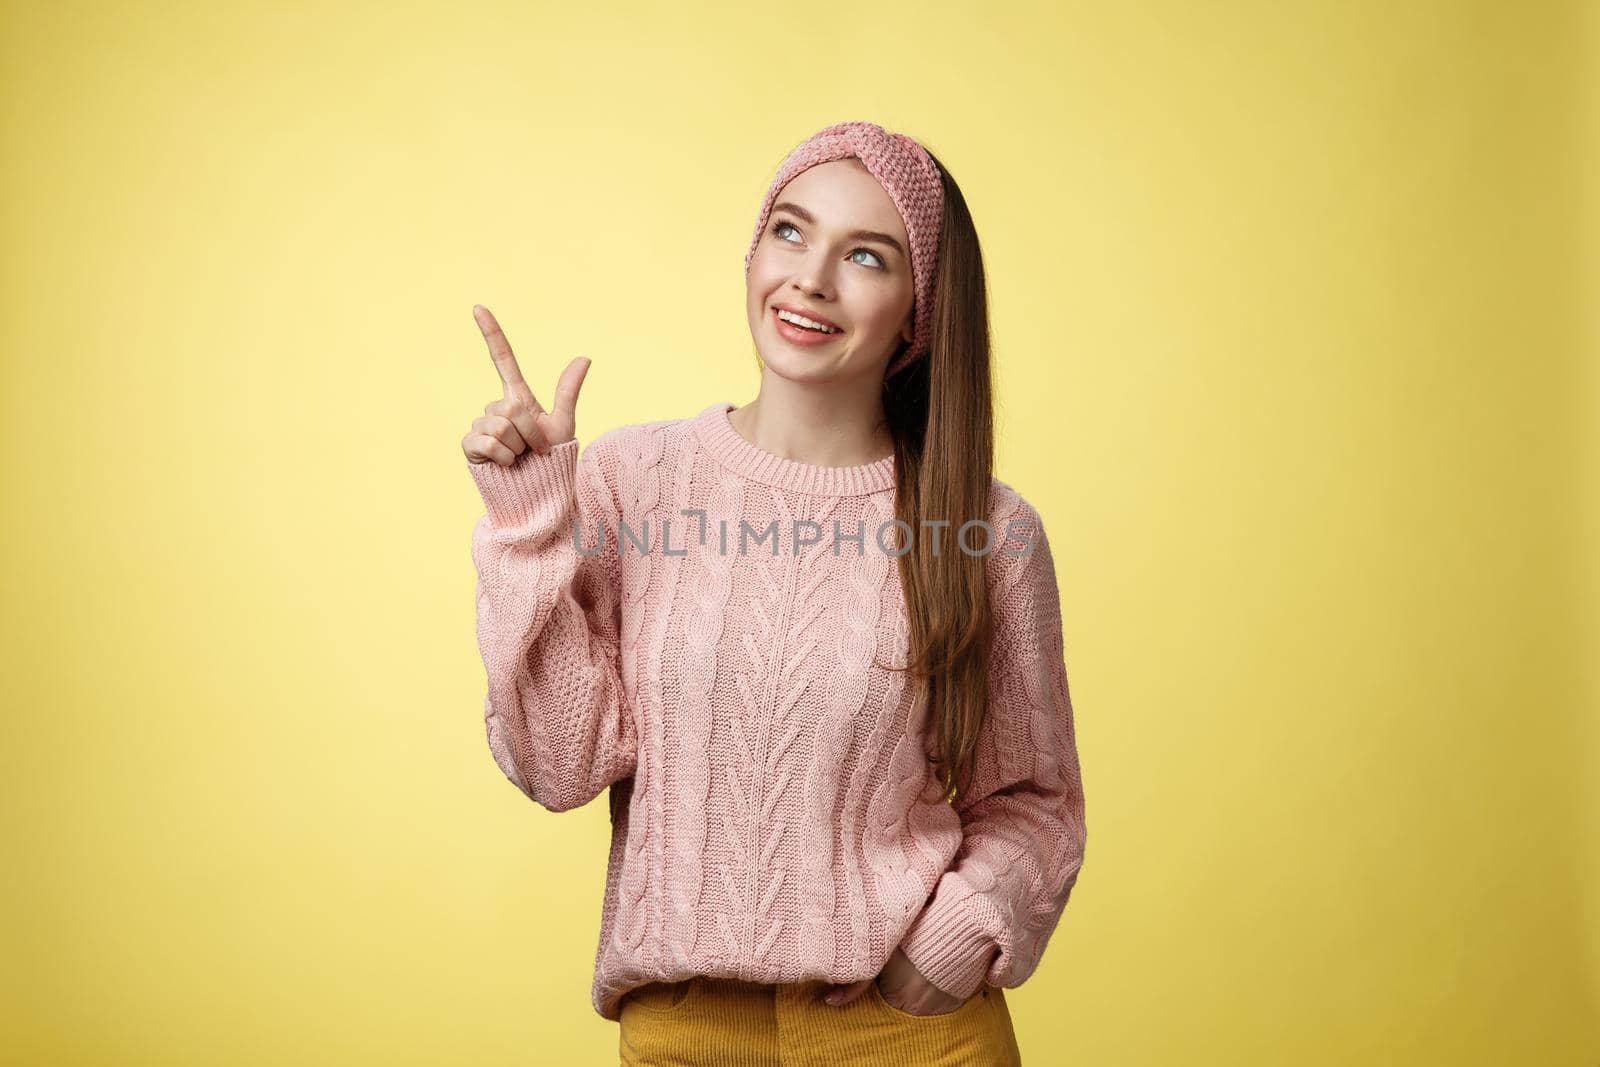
x=909 y=175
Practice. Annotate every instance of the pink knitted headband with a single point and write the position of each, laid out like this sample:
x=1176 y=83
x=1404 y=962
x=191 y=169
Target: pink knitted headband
x=909 y=175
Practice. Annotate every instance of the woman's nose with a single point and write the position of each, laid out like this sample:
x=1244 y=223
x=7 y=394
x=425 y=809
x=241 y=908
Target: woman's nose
x=815 y=277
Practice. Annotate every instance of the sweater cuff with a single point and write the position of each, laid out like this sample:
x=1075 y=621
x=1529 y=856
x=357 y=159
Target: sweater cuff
x=947 y=945
x=512 y=494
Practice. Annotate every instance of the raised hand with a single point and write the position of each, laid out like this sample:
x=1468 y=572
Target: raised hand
x=517 y=421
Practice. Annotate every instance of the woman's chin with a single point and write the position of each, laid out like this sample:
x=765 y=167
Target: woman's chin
x=794 y=363
x=790 y=361
x=797 y=368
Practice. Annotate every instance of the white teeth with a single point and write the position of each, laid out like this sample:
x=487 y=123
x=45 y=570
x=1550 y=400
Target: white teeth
x=801 y=320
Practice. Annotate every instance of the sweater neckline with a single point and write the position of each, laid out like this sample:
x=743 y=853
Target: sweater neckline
x=742 y=457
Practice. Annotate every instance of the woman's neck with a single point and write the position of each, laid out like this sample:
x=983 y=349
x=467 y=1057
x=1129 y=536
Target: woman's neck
x=824 y=430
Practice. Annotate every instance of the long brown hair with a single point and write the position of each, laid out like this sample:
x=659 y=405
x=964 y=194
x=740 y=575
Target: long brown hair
x=941 y=412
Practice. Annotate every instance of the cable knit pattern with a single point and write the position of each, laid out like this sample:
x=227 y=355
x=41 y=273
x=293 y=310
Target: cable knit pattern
x=706 y=598
x=856 y=647
x=638 y=475
x=691 y=622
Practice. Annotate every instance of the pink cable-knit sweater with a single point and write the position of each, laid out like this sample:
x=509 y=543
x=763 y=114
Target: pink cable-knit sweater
x=774 y=813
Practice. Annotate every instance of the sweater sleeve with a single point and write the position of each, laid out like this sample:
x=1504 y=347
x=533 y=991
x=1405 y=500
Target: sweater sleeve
x=994 y=908
x=548 y=621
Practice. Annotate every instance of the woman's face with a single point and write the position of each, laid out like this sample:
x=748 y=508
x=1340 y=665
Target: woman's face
x=815 y=256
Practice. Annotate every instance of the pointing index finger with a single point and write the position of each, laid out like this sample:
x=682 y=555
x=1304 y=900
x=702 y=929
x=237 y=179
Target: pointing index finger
x=499 y=349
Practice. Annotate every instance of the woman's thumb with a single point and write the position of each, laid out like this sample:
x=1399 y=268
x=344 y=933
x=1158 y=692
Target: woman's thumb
x=844 y=994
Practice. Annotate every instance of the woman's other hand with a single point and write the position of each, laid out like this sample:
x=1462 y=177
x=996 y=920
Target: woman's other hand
x=517 y=421
x=903 y=986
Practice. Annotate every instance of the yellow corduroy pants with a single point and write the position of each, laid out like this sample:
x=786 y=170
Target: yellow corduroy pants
x=722 y=1022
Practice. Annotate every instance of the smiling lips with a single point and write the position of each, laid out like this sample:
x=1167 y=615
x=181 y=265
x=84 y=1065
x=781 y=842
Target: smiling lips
x=810 y=316
x=801 y=335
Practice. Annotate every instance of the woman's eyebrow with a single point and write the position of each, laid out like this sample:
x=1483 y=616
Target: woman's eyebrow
x=860 y=235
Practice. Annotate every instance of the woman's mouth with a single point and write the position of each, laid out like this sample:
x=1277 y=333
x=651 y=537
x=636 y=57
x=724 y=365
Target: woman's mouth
x=802 y=335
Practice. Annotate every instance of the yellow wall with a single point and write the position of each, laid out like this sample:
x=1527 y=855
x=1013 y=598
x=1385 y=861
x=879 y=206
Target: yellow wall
x=1296 y=357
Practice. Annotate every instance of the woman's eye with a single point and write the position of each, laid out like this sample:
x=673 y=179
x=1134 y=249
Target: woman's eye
x=780 y=226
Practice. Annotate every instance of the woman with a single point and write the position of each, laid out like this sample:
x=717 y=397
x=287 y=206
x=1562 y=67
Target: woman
x=828 y=692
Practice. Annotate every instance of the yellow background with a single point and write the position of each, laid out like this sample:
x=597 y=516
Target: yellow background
x=1296 y=354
